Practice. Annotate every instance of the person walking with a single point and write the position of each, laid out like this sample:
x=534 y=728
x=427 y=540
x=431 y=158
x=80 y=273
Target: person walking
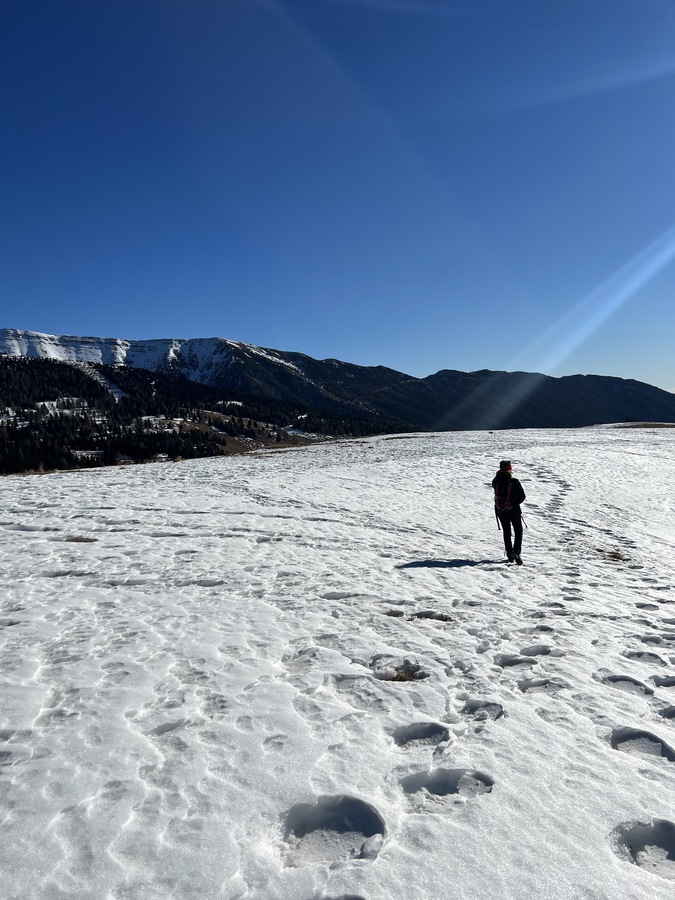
x=509 y=494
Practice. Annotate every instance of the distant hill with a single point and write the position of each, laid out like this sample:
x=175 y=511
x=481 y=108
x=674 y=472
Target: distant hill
x=447 y=400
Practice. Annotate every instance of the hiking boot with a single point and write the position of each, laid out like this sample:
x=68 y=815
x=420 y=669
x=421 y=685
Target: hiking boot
x=518 y=561
x=509 y=557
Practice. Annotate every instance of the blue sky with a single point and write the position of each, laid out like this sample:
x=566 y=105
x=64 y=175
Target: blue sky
x=422 y=184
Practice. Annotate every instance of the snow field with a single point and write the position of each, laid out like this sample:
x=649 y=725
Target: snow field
x=310 y=674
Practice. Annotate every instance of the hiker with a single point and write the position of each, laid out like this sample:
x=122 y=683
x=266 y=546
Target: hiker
x=509 y=494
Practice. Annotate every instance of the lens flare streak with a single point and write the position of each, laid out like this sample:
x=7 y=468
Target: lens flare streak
x=591 y=313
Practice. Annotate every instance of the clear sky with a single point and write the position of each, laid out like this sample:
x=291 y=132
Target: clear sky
x=422 y=184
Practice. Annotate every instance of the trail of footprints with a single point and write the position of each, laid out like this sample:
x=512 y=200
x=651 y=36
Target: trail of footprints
x=343 y=827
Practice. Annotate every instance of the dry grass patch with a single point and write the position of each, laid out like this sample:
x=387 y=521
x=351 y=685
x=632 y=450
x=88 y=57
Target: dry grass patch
x=614 y=555
x=407 y=671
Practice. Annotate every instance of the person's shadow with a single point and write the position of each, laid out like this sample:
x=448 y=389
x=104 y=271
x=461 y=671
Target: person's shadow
x=446 y=563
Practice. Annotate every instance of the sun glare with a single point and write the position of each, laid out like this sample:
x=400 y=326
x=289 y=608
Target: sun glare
x=586 y=317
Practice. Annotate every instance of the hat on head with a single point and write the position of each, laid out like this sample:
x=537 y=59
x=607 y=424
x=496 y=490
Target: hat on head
x=505 y=465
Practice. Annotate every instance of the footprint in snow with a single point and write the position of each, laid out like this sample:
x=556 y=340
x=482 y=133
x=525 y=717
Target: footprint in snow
x=432 y=614
x=509 y=660
x=333 y=829
x=663 y=638
x=554 y=607
x=114 y=673
x=421 y=734
x=641 y=743
x=554 y=717
x=359 y=691
x=484 y=709
x=541 y=629
x=344 y=897
x=430 y=789
x=540 y=650
x=626 y=683
x=541 y=686
x=645 y=656
x=213 y=704
x=650 y=845
x=275 y=742
x=664 y=680
x=166 y=727
x=386 y=668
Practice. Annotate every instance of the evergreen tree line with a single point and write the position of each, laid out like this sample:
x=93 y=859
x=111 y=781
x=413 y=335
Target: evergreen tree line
x=43 y=449
x=26 y=382
x=38 y=438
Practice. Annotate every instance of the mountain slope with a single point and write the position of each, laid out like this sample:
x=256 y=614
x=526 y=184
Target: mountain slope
x=446 y=400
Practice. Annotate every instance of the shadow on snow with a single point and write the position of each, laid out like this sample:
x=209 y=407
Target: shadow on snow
x=447 y=563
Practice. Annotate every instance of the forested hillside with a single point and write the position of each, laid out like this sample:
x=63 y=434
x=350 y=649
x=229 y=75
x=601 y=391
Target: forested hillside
x=57 y=415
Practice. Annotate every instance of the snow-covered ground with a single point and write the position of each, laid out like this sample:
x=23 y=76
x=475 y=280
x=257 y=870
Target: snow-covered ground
x=196 y=665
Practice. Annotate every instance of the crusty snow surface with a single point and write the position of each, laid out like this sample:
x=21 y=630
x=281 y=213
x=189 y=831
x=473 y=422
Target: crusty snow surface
x=198 y=664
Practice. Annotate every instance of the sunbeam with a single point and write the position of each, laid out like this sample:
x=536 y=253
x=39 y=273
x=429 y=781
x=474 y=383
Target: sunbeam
x=591 y=313
x=490 y=402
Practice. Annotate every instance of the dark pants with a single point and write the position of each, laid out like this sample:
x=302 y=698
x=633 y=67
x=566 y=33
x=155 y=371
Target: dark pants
x=507 y=519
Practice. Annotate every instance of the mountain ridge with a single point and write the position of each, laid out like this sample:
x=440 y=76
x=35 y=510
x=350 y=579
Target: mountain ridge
x=446 y=400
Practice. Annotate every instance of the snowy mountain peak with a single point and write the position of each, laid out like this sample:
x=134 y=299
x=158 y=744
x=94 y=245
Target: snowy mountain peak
x=192 y=357
x=192 y=354
x=66 y=348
